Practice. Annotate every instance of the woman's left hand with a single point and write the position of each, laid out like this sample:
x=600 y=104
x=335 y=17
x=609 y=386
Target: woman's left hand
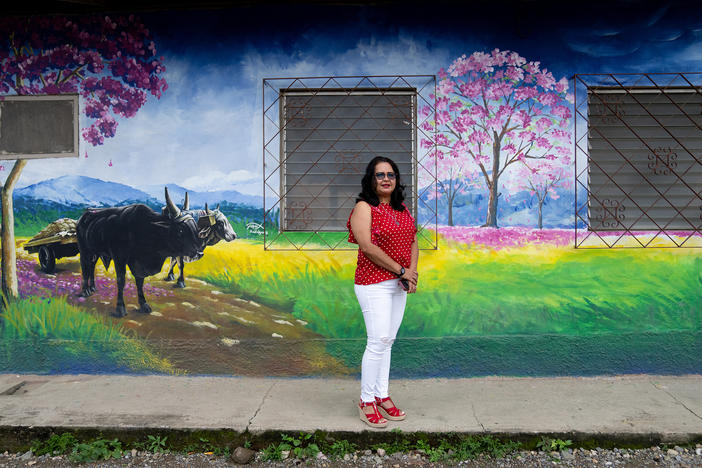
x=411 y=275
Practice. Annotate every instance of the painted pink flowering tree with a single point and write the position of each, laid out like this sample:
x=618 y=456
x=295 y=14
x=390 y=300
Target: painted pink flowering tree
x=110 y=62
x=495 y=110
x=541 y=178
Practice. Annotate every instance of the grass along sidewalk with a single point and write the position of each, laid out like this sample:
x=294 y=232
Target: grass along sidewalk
x=82 y=446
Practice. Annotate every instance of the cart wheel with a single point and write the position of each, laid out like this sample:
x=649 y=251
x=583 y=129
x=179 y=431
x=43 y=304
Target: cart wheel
x=47 y=259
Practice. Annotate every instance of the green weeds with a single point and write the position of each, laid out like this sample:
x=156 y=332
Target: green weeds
x=98 y=449
x=461 y=448
x=455 y=448
x=397 y=445
x=272 y=453
x=156 y=444
x=55 y=445
x=339 y=448
x=301 y=447
x=546 y=444
x=449 y=448
x=93 y=449
x=205 y=446
x=79 y=452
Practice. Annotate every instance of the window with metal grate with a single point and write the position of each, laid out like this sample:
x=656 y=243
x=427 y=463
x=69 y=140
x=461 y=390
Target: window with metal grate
x=644 y=158
x=328 y=136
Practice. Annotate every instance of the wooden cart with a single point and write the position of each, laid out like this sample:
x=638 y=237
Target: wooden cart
x=55 y=241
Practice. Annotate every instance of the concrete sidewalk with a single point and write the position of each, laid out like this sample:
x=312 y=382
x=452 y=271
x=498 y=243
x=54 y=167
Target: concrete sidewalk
x=665 y=408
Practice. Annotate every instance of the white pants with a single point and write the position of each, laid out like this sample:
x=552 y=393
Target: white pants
x=383 y=305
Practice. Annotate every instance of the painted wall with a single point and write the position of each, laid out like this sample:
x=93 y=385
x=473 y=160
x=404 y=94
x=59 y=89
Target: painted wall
x=186 y=113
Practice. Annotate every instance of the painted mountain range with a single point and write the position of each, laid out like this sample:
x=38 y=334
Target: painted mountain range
x=469 y=208
x=200 y=198
x=87 y=191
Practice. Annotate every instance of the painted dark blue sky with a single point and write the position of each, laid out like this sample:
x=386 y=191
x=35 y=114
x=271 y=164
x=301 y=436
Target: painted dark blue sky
x=205 y=133
x=615 y=36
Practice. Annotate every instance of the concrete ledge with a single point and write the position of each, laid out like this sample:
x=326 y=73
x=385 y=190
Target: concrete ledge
x=638 y=410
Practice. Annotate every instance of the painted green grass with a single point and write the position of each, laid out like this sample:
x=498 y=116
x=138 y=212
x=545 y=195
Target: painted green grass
x=467 y=292
x=32 y=216
x=565 y=291
x=523 y=311
x=328 y=240
x=293 y=240
x=29 y=223
x=38 y=335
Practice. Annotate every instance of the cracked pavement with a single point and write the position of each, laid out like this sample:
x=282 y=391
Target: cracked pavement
x=263 y=400
x=677 y=400
x=665 y=406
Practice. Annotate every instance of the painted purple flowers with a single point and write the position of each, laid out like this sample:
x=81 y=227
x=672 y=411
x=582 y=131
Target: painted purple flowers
x=111 y=62
x=32 y=282
x=508 y=237
x=501 y=238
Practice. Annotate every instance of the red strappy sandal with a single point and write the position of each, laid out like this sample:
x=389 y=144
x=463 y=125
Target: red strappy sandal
x=374 y=419
x=393 y=413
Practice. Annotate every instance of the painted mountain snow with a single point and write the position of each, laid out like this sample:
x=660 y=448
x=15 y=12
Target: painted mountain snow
x=199 y=199
x=81 y=190
x=88 y=191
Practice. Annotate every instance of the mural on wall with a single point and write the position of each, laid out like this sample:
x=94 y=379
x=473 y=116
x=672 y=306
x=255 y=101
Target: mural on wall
x=505 y=293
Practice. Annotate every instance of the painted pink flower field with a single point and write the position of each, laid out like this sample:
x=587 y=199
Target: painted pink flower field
x=500 y=238
x=512 y=237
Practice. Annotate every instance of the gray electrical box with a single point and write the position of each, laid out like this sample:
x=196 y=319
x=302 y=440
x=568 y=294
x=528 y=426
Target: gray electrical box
x=39 y=126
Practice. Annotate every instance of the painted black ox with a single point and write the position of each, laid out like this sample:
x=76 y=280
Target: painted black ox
x=213 y=227
x=137 y=237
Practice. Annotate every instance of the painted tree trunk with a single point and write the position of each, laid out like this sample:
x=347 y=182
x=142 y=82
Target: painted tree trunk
x=541 y=205
x=449 y=198
x=491 y=220
x=9 y=257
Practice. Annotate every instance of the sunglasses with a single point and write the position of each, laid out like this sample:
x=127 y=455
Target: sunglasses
x=382 y=175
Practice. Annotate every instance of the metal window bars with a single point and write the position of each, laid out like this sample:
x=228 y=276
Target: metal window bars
x=638 y=160
x=319 y=134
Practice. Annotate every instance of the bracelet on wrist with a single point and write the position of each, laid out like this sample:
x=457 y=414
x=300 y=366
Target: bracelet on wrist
x=402 y=271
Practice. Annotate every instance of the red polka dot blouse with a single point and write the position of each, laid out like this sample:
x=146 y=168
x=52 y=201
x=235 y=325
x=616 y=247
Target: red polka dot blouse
x=392 y=231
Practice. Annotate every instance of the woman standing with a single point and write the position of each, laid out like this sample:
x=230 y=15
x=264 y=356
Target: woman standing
x=386 y=271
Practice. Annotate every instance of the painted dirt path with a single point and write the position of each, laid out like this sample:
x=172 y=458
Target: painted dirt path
x=200 y=329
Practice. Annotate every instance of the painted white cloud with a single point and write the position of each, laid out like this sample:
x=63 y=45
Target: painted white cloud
x=369 y=56
x=221 y=180
x=205 y=132
x=691 y=53
x=193 y=131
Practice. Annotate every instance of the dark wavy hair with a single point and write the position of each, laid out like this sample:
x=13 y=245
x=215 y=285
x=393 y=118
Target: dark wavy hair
x=368 y=184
